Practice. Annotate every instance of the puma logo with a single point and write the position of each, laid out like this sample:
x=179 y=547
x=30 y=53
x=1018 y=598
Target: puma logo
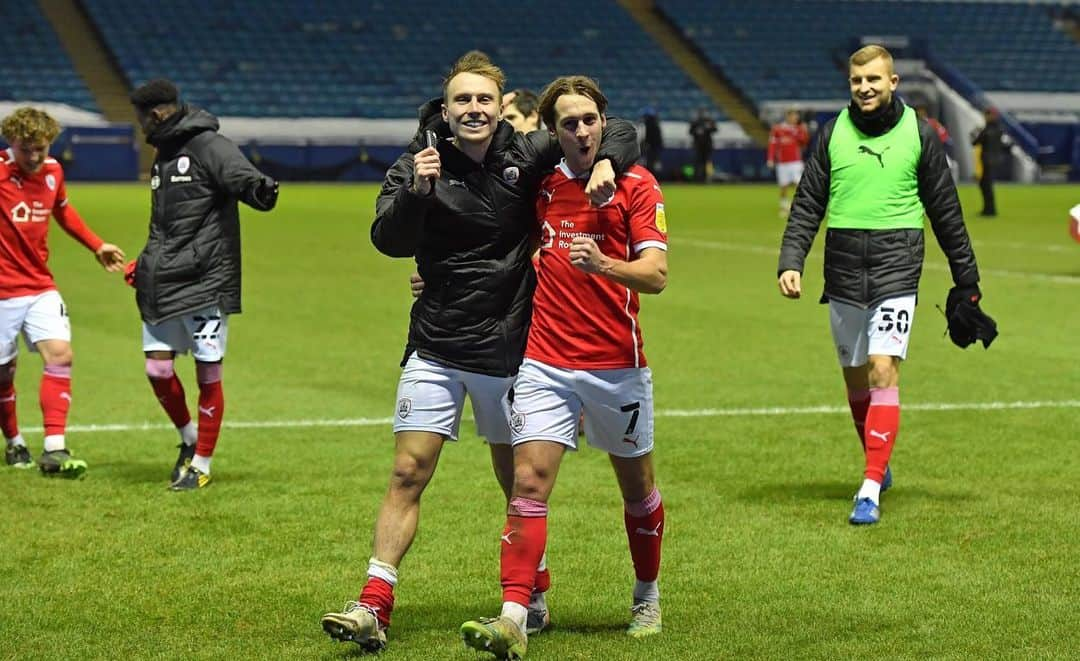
x=631 y=441
x=455 y=182
x=63 y=395
x=208 y=411
x=863 y=149
x=655 y=532
x=547 y=194
x=506 y=537
x=884 y=436
x=7 y=399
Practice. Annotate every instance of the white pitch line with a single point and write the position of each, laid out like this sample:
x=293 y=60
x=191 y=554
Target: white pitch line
x=661 y=413
x=753 y=249
x=813 y=410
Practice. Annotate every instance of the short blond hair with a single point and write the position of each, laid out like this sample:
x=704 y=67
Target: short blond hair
x=582 y=85
x=868 y=54
x=479 y=63
x=30 y=125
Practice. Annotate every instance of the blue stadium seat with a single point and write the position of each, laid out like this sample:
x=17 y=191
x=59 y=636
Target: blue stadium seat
x=38 y=69
x=780 y=50
x=374 y=58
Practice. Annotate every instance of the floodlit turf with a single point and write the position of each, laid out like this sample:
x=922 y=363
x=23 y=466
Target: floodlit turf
x=975 y=556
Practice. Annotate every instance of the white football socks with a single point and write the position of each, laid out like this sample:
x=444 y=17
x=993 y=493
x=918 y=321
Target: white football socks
x=646 y=591
x=201 y=463
x=516 y=612
x=189 y=433
x=870 y=489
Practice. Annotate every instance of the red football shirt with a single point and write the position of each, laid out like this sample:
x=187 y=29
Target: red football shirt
x=786 y=143
x=26 y=202
x=942 y=132
x=581 y=320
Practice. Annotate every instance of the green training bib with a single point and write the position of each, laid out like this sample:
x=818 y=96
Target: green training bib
x=874 y=180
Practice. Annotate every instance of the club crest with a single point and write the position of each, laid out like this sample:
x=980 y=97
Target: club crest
x=511 y=174
x=182 y=164
x=517 y=420
x=50 y=181
x=404 y=407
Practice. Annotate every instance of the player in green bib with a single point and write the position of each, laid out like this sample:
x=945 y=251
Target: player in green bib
x=875 y=172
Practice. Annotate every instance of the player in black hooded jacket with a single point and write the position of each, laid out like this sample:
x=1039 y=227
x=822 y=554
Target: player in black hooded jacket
x=187 y=277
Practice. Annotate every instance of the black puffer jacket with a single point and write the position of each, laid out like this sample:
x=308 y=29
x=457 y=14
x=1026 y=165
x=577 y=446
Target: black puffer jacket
x=192 y=256
x=864 y=267
x=471 y=241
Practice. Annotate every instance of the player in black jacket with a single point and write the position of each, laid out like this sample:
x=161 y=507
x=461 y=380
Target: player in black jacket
x=876 y=171
x=465 y=209
x=187 y=278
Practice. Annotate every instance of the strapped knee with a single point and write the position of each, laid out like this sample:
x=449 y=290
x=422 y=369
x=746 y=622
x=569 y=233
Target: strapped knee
x=207 y=372
x=159 y=369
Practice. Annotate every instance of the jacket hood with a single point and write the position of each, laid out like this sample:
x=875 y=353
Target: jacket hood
x=181 y=127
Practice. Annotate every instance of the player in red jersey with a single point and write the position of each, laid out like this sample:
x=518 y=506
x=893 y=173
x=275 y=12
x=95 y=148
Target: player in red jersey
x=787 y=140
x=584 y=352
x=32 y=189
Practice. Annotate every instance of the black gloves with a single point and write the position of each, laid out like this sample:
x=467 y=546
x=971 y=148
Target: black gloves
x=967 y=322
x=266 y=193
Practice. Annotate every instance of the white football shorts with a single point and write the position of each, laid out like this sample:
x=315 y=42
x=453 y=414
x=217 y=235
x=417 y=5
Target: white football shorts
x=204 y=333
x=618 y=405
x=430 y=397
x=38 y=317
x=789 y=173
x=883 y=330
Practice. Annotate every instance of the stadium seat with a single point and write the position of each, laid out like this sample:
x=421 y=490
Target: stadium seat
x=41 y=70
x=380 y=58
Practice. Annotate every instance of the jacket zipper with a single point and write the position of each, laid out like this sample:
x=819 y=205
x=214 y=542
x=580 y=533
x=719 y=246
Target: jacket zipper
x=866 y=265
x=161 y=241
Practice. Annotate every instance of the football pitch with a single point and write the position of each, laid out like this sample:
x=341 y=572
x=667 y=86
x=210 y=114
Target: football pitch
x=757 y=460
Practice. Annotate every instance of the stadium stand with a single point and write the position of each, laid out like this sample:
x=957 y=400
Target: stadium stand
x=381 y=59
x=792 y=50
x=37 y=68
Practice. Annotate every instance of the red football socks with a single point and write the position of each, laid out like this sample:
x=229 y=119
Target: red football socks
x=523 y=542
x=211 y=407
x=859 y=401
x=378 y=595
x=882 y=426
x=645 y=530
x=55 y=396
x=9 y=422
x=170 y=392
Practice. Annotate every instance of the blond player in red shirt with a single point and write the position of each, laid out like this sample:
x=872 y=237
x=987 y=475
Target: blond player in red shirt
x=787 y=140
x=32 y=189
x=584 y=352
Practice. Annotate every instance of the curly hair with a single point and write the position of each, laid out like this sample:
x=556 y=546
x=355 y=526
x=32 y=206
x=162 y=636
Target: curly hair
x=30 y=125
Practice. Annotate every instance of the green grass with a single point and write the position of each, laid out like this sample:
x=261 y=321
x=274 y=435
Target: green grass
x=975 y=556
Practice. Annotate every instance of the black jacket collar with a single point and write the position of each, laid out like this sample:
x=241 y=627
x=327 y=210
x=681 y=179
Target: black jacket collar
x=879 y=122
